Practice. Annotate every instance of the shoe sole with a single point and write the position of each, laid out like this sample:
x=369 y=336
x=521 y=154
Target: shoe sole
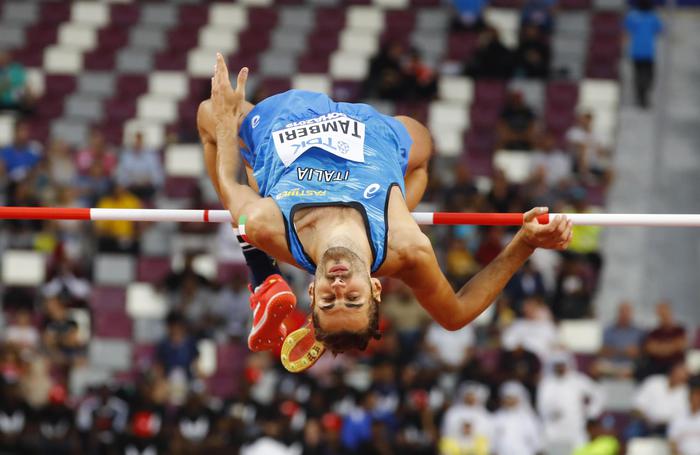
x=276 y=311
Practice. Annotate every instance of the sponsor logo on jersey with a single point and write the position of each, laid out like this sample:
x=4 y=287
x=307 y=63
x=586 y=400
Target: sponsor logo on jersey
x=299 y=192
x=255 y=122
x=371 y=190
x=321 y=175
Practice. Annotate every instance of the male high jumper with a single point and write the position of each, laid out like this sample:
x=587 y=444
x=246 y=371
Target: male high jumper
x=331 y=189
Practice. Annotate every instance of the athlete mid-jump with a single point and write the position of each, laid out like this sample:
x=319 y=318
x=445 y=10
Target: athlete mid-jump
x=331 y=188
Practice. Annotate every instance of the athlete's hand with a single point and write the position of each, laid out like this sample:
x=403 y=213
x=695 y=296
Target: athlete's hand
x=227 y=103
x=555 y=235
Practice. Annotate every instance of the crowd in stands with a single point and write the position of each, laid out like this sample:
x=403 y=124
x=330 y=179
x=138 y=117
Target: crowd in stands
x=503 y=386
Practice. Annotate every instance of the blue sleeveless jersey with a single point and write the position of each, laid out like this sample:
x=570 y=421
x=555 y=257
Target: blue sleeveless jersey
x=307 y=150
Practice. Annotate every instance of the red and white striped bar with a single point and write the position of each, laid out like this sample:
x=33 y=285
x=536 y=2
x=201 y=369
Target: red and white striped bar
x=424 y=218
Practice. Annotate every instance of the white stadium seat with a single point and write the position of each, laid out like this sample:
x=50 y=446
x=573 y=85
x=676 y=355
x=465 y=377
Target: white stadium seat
x=345 y=65
x=218 y=38
x=312 y=82
x=79 y=36
x=35 y=80
x=60 y=59
x=447 y=113
x=234 y=16
x=114 y=355
x=206 y=362
x=619 y=394
x=7 y=128
x=365 y=18
x=94 y=13
x=456 y=88
x=648 y=446
x=114 y=269
x=507 y=22
x=692 y=361
x=200 y=62
x=357 y=41
x=156 y=108
x=584 y=336
x=23 y=268
x=153 y=132
x=206 y=265
x=392 y=4
x=597 y=94
x=184 y=160
x=448 y=140
x=515 y=164
x=168 y=83
x=142 y=301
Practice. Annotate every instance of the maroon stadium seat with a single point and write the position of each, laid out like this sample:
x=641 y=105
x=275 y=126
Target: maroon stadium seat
x=180 y=187
x=461 y=45
x=329 y=19
x=131 y=85
x=107 y=298
x=193 y=15
x=125 y=15
x=110 y=323
x=172 y=59
x=346 y=91
x=152 y=269
x=562 y=94
x=54 y=12
x=144 y=356
x=99 y=60
x=480 y=141
x=575 y=4
x=227 y=270
x=313 y=64
x=262 y=18
x=484 y=117
x=120 y=108
x=489 y=93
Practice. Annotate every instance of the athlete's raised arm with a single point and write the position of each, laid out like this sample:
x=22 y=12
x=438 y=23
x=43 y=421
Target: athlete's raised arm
x=455 y=310
x=228 y=108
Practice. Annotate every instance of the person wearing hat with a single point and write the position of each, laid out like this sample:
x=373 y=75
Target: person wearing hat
x=684 y=431
x=518 y=428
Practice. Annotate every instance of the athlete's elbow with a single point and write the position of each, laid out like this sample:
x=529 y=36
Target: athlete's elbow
x=453 y=324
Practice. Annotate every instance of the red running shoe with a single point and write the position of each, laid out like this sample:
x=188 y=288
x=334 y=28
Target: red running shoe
x=271 y=303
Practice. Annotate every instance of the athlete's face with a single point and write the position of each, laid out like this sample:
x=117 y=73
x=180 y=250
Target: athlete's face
x=342 y=291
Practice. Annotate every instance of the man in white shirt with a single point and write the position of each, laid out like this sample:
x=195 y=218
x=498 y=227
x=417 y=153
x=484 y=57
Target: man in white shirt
x=660 y=398
x=518 y=428
x=453 y=349
x=470 y=410
x=684 y=431
x=140 y=169
x=535 y=332
x=565 y=400
x=591 y=156
x=554 y=163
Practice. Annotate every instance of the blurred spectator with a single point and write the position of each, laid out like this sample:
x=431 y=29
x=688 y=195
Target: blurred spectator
x=527 y=282
x=36 y=383
x=96 y=153
x=516 y=127
x=15 y=417
x=421 y=79
x=574 y=289
x=93 y=185
x=67 y=285
x=19 y=158
x=406 y=316
x=491 y=245
x=231 y=308
x=586 y=239
x=15 y=94
x=174 y=280
x=61 y=336
x=600 y=441
x=469 y=441
x=592 y=158
x=118 y=236
x=502 y=194
x=357 y=424
x=566 y=399
x=516 y=424
x=491 y=58
x=684 y=431
x=195 y=425
x=469 y=409
x=55 y=423
x=533 y=54
x=11 y=367
x=535 y=332
x=178 y=351
x=643 y=25
x=140 y=170
x=193 y=301
x=61 y=164
x=520 y=365
x=664 y=346
x=452 y=350
x=621 y=342
x=386 y=78
x=547 y=158
x=538 y=13
x=271 y=441
x=101 y=419
x=417 y=434
x=469 y=13
x=659 y=399
x=460 y=263
x=459 y=195
x=21 y=333
x=145 y=432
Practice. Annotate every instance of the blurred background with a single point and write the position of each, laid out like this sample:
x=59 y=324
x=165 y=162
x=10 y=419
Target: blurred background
x=122 y=337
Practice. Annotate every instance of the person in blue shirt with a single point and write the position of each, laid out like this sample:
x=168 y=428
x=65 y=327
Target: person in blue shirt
x=643 y=25
x=20 y=157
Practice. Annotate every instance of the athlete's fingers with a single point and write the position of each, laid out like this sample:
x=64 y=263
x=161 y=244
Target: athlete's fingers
x=534 y=213
x=241 y=81
x=221 y=70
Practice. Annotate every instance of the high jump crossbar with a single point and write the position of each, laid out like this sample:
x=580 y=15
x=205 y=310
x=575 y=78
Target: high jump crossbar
x=423 y=218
